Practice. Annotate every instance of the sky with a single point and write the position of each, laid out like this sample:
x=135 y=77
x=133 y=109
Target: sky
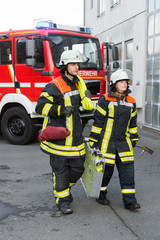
x=20 y=14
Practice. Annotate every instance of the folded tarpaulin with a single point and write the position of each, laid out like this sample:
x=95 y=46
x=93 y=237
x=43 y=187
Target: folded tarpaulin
x=53 y=133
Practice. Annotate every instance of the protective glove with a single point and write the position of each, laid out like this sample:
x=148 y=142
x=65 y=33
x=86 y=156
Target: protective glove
x=134 y=144
x=67 y=111
x=88 y=94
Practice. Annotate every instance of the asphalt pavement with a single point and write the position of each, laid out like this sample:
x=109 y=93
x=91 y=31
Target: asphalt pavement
x=28 y=210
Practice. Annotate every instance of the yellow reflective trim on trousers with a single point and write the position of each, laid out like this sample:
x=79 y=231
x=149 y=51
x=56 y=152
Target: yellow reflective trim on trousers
x=109 y=161
x=62 y=194
x=127 y=159
x=108 y=130
x=46 y=95
x=96 y=129
x=46 y=109
x=103 y=188
x=101 y=110
x=54 y=186
x=128 y=191
x=54 y=180
x=57 y=200
x=63 y=153
x=123 y=154
x=109 y=155
x=69 y=123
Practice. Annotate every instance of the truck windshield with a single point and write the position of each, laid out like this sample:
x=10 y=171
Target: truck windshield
x=88 y=46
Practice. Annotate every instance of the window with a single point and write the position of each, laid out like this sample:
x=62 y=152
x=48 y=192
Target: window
x=150 y=47
x=87 y=46
x=101 y=7
x=129 y=57
x=157 y=4
x=5 y=52
x=150 y=25
x=120 y=54
x=21 y=52
x=150 y=5
x=120 y=57
x=157 y=23
x=152 y=100
x=114 y=3
x=91 y=3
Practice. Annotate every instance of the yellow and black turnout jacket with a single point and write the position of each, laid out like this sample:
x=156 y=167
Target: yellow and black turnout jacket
x=59 y=93
x=115 y=128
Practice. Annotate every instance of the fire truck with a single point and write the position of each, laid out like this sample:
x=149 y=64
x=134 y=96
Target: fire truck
x=29 y=59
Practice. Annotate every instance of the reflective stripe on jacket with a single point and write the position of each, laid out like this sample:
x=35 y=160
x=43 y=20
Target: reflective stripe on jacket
x=59 y=93
x=115 y=127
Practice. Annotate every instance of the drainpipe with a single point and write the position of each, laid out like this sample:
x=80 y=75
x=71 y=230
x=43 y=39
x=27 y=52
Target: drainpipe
x=84 y=20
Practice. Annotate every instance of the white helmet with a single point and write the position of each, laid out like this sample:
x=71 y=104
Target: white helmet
x=71 y=56
x=118 y=75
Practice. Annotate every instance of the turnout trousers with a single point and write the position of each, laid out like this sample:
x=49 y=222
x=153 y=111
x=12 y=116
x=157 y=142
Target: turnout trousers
x=126 y=178
x=66 y=172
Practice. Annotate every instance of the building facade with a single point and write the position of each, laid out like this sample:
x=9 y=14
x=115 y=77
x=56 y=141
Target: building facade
x=134 y=27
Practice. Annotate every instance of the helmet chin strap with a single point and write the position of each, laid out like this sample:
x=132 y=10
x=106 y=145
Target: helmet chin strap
x=120 y=92
x=70 y=73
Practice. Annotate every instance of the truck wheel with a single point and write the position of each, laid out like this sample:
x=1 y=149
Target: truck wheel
x=17 y=127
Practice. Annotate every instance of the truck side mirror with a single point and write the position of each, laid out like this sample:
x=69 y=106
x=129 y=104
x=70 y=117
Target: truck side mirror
x=116 y=65
x=115 y=54
x=30 y=52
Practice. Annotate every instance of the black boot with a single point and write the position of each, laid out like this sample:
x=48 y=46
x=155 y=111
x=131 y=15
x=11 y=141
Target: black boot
x=102 y=198
x=64 y=207
x=103 y=201
x=132 y=206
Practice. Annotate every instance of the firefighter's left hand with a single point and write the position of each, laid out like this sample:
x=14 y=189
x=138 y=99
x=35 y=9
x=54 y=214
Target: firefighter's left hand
x=134 y=144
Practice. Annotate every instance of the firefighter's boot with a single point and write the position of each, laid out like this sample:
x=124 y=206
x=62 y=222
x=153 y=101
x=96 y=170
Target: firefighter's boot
x=64 y=207
x=103 y=199
x=132 y=206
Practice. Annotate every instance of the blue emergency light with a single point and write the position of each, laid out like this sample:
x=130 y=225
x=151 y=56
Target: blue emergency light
x=51 y=25
x=84 y=29
x=45 y=24
x=88 y=30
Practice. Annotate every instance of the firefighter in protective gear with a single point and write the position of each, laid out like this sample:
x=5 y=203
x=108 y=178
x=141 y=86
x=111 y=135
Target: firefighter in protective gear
x=59 y=104
x=114 y=132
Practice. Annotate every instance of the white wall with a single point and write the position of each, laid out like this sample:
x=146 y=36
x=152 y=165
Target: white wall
x=119 y=24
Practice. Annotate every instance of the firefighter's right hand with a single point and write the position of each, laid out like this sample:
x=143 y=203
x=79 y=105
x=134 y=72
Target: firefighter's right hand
x=67 y=111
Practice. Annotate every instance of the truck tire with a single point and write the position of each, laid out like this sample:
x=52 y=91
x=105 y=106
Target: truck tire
x=17 y=127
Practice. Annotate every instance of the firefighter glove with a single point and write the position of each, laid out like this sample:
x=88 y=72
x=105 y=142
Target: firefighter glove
x=134 y=143
x=67 y=111
x=88 y=94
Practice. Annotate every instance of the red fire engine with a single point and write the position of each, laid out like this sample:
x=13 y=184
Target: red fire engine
x=29 y=59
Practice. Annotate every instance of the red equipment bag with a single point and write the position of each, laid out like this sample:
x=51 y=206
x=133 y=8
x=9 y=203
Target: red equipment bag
x=53 y=133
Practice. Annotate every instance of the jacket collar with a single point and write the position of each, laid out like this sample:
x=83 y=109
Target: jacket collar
x=68 y=81
x=111 y=93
